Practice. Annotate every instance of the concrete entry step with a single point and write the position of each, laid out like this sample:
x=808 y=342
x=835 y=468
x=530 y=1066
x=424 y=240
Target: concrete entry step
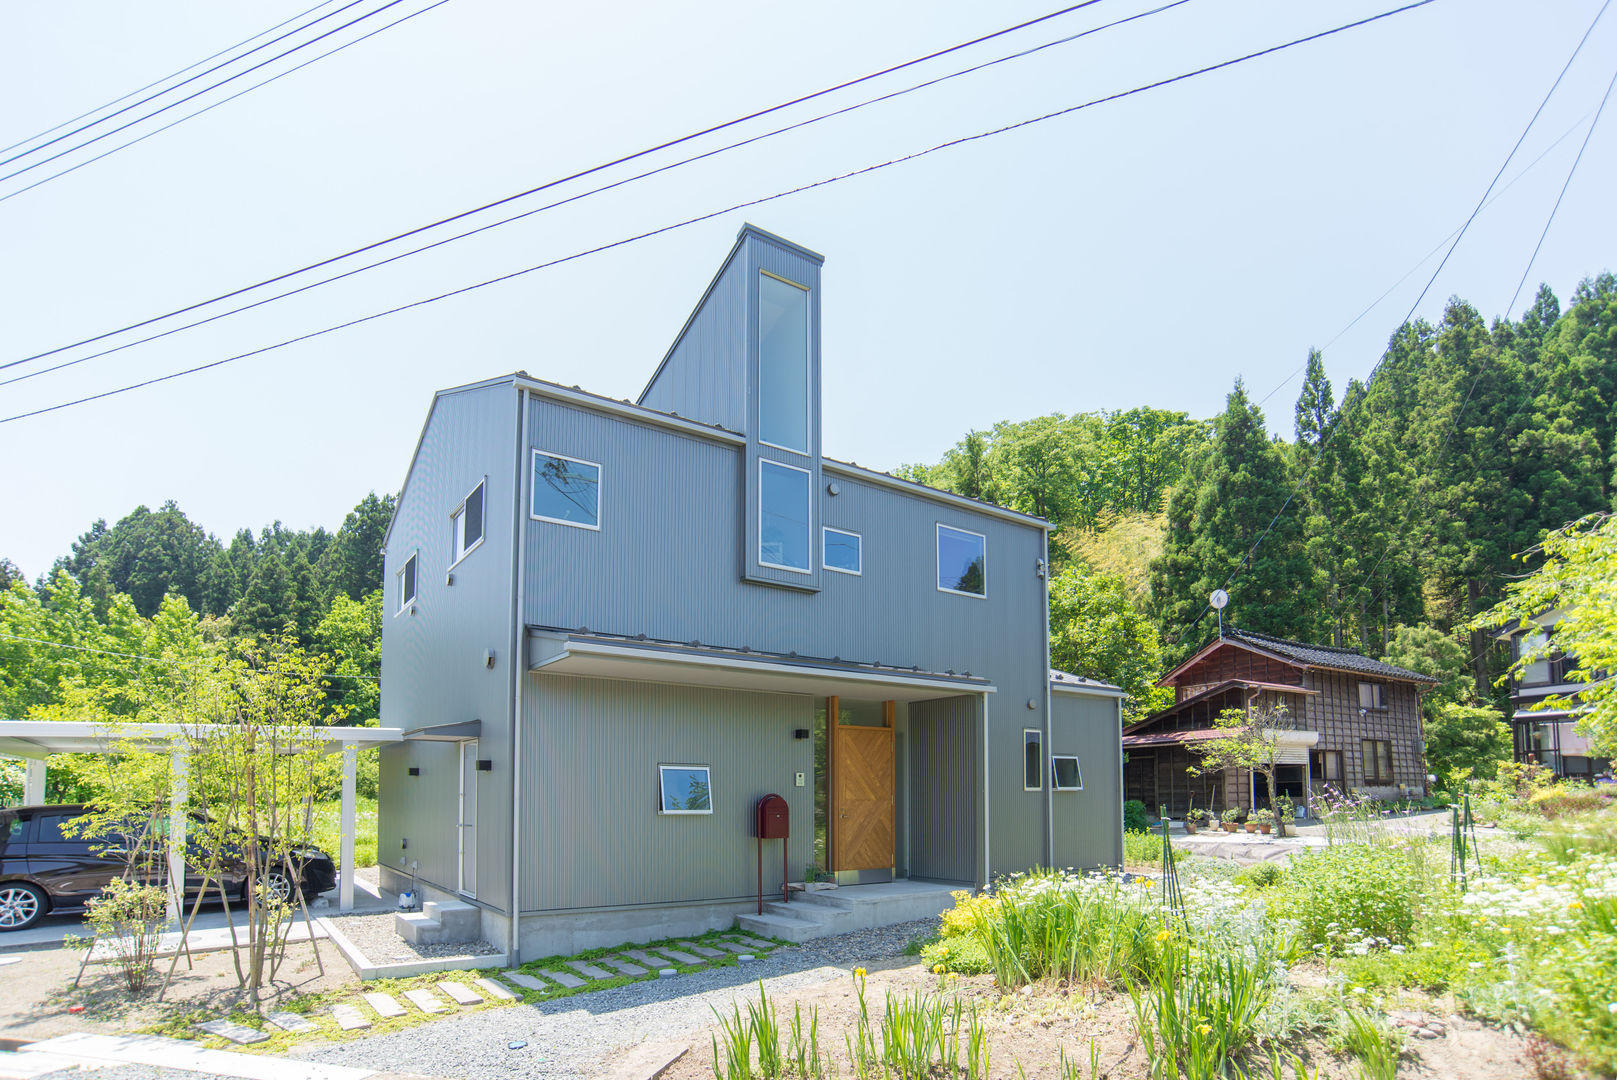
x=440 y=922
x=788 y=927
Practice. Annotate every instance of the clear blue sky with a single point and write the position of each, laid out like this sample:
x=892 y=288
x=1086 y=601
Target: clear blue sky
x=1144 y=252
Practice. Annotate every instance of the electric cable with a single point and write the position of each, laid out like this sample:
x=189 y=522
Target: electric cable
x=960 y=141
x=503 y=221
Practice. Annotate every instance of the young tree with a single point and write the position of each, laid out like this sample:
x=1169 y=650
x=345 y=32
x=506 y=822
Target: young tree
x=1466 y=740
x=1249 y=739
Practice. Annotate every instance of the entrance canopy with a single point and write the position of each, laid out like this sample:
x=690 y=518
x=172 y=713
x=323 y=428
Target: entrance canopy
x=35 y=740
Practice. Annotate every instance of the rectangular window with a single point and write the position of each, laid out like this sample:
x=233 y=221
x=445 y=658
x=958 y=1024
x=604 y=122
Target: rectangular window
x=1032 y=760
x=1377 y=755
x=566 y=490
x=1326 y=766
x=1535 y=672
x=841 y=552
x=783 y=367
x=467 y=521
x=1370 y=696
x=683 y=789
x=406 y=577
x=783 y=516
x=962 y=561
x=1065 y=774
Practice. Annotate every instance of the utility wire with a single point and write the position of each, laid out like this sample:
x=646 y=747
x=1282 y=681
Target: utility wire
x=515 y=217
x=961 y=141
x=189 y=97
x=164 y=79
x=711 y=129
x=172 y=661
x=221 y=101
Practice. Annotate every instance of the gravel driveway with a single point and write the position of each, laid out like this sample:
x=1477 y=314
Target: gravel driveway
x=570 y=1037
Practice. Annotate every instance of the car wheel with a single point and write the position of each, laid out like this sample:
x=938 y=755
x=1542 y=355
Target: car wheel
x=21 y=905
x=277 y=886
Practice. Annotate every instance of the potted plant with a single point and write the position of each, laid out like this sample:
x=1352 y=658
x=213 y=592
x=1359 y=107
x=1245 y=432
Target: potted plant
x=1264 y=819
x=1285 y=814
x=1194 y=820
x=1232 y=818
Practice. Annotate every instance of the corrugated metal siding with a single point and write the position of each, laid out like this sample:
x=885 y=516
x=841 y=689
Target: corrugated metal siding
x=945 y=789
x=704 y=375
x=432 y=661
x=422 y=810
x=592 y=836
x=1088 y=823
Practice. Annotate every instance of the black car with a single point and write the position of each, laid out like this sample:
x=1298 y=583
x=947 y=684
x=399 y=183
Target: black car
x=45 y=869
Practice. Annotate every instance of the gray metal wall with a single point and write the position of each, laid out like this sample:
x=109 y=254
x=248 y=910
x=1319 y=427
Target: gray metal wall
x=945 y=739
x=421 y=810
x=592 y=836
x=704 y=376
x=432 y=660
x=1088 y=823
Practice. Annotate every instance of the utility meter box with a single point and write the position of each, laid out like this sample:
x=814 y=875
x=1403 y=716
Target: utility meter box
x=774 y=818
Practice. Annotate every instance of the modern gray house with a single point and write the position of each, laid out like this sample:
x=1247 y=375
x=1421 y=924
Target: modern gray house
x=614 y=626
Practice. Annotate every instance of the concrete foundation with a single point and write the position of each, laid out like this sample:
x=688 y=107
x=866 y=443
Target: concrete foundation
x=568 y=932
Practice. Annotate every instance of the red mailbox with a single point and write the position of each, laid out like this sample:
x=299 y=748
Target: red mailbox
x=772 y=821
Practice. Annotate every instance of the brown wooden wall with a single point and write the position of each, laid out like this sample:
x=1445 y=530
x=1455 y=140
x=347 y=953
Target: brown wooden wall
x=1232 y=662
x=1334 y=713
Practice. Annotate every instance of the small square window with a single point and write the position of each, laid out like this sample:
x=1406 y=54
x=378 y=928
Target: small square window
x=683 y=789
x=407 y=582
x=1032 y=760
x=467 y=522
x=842 y=552
x=1065 y=774
x=1370 y=696
x=566 y=490
x=962 y=562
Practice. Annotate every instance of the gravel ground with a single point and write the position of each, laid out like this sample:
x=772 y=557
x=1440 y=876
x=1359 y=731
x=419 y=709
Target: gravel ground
x=375 y=937
x=568 y=1038
x=129 y=1072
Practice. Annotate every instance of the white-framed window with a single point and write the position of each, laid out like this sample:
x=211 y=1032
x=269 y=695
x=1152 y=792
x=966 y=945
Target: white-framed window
x=783 y=363
x=406 y=577
x=962 y=562
x=684 y=789
x=566 y=490
x=1065 y=775
x=1032 y=759
x=840 y=550
x=466 y=522
x=1370 y=696
x=783 y=516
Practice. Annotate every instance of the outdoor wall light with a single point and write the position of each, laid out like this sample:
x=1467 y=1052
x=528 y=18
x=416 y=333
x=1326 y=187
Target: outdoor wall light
x=485 y=765
x=415 y=770
x=800 y=733
x=1030 y=704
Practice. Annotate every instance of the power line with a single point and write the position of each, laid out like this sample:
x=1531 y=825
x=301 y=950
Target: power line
x=513 y=218
x=188 y=97
x=165 y=78
x=172 y=661
x=961 y=141
x=222 y=101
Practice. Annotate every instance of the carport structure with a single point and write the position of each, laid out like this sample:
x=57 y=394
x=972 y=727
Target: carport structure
x=35 y=740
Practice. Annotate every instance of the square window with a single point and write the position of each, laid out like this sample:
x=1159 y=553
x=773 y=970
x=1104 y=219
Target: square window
x=683 y=789
x=783 y=516
x=842 y=552
x=1370 y=696
x=566 y=490
x=407 y=582
x=962 y=562
x=1032 y=760
x=1065 y=774
x=467 y=523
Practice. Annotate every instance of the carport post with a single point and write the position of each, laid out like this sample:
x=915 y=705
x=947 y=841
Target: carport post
x=345 y=880
x=33 y=782
x=178 y=809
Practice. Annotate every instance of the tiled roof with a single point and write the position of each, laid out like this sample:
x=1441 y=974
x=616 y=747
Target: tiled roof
x=1325 y=656
x=1173 y=738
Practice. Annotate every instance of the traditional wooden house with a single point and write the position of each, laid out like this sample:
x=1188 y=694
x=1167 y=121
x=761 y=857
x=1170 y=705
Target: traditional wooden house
x=1355 y=725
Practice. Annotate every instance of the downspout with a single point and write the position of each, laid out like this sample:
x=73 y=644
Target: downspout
x=1121 y=790
x=519 y=663
x=1048 y=779
x=988 y=862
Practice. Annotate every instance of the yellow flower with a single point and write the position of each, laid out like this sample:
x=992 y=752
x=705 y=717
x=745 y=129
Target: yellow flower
x=1203 y=1029
x=1163 y=935
x=1576 y=905
x=937 y=969
x=860 y=973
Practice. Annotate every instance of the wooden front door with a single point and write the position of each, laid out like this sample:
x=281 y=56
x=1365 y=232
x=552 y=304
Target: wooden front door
x=861 y=809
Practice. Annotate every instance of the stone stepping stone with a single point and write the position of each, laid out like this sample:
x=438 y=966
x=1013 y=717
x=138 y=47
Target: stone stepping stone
x=386 y=1005
x=624 y=966
x=494 y=989
x=236 y=1033
x=349 y=1018
x=524 y=980
x=730 y=946
x=288 y=1021
x=682 y=957
x=460 y=993
x=572 y=982
x=589 y=971
x=426 y=1001
x=756 y=943
x=646 y=958
x=699 y=950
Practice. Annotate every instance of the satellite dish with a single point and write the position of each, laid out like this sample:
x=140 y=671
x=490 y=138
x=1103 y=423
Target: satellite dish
x=1219 y=599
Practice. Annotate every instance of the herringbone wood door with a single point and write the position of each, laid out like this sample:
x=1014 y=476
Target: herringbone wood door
x=862 y=798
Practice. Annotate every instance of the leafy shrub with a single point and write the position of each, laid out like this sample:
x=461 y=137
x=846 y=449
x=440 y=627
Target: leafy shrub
x=961 y=919
x=964 y=955
x=1143 y=848
x=1261 y=875
x=1135 y=818
x=1049 y=925
x=1561 y=799
x=128 y=917
x=1349 y=887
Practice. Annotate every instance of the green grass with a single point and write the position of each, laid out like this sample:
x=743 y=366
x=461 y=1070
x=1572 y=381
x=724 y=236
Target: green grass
x=328 y=831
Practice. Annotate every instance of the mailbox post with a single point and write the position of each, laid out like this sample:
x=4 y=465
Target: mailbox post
x=773 y=822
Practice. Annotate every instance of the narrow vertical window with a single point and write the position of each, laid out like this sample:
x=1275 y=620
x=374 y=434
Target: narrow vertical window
x=1032 y=760
x=406 y=578
x=783 y=516
x=467 y=523
x=783 y=391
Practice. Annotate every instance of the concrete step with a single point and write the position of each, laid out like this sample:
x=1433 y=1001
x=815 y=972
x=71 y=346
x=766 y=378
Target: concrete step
x=825 y=913
x=787 y=927
x=460 y=921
